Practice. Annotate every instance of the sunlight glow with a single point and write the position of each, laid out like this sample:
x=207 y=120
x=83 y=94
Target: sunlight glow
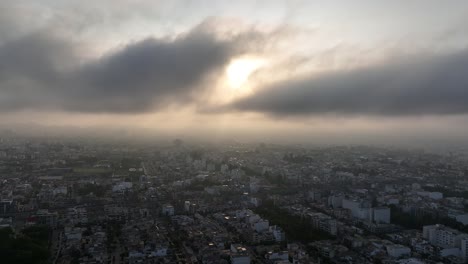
x=239 y=70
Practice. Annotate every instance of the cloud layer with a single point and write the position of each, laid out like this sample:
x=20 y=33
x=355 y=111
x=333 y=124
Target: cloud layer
x=43 y=70
x=45 y=67
x=414 y=85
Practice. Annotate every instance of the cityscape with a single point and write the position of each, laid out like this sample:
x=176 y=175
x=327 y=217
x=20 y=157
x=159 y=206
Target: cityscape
x=233 y=132
x=115 y=202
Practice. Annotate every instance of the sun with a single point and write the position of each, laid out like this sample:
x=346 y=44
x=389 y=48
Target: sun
x=239 y=70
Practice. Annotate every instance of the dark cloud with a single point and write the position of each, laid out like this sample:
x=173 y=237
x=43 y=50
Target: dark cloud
x=422 y=85
x=41 y=70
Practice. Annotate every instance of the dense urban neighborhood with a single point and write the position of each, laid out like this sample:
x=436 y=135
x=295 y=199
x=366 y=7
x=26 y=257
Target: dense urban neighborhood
x=96 y=201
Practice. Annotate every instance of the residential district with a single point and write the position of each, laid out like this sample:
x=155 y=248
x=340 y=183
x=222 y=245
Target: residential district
x=90 y=201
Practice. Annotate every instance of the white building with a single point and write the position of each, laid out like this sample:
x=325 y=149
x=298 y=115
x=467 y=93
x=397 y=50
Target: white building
x=364 y=213
x=335 y=201
x=239 y=254
x=397 y=251
x=187 y=206
x=446 y=252
x=381 y=215
x=440 y=235
x=352 y=205
x=359 y=209
x=462 y=218
x=464 y=248
x=122 y=186
x=278 y=233
x=323 y=222
x=452 y=242
x=261 y=225
x=432 y=195
x=240 y=259
x=60 y=190
x=277 y=256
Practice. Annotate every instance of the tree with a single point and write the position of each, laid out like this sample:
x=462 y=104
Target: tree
x=27 y=247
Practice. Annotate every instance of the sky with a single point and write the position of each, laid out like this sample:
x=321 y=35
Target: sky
x=363 y=71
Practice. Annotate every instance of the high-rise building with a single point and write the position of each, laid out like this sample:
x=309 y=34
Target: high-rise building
x=440 y=235
x=7 y=207
x=381 y=215
x=323 y=222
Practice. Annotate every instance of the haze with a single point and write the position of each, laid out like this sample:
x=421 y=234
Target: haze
x=294 y=71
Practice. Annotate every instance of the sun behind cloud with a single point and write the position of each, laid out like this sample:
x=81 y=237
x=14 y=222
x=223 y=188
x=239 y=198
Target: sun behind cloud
x=239 y=70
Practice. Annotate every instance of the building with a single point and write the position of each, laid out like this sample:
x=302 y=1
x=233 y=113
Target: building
x=122 y=186
x=462 y=218
x=278 y=233
x=381 y=215
x=315 y=195
x=44 y=217
x=397 y=251
x=264 y=237
x=431 y=195
x=452 y=242
x=335 y=201
x=464 y=248
x=239 y=254
x=77 y=215
x=358 y=208
x=7 y=207
x=277 y=256
x=60 y=190
x=440 y=235
x=323 y=222
x=168 y=210
x=260 y=225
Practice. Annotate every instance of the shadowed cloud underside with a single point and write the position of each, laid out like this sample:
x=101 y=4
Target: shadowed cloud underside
x=414 y=85
x=42 y=71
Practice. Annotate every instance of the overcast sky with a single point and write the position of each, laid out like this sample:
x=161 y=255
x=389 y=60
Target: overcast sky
x=343 y=71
